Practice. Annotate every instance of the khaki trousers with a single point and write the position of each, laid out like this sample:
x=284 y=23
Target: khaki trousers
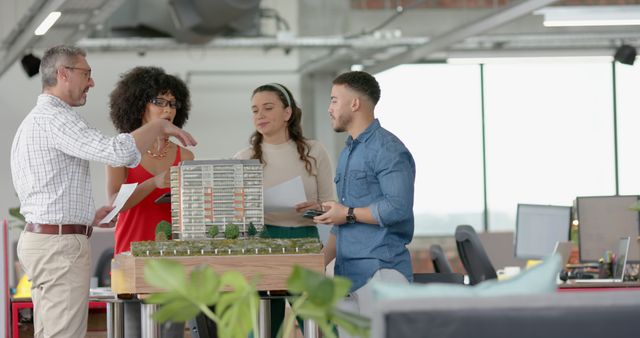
x=59 y=269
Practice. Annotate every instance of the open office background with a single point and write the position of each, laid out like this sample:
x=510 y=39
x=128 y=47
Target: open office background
x=485 y=137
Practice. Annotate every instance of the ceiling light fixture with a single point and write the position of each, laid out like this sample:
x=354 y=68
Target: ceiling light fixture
x=47 y=23
x=564 y=16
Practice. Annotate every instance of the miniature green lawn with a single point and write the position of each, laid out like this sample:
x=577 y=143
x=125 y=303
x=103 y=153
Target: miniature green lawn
x=220 y=247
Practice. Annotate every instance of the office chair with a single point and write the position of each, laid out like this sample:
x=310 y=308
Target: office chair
x=439 y=260
x=103 y=267
x=443 y=271
x=473 y=256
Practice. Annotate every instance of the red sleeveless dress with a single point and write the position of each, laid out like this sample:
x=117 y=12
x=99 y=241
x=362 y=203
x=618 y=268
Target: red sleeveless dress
x=139 y=223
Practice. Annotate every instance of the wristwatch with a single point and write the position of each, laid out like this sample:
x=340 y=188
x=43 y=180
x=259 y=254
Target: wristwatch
x=351 y=217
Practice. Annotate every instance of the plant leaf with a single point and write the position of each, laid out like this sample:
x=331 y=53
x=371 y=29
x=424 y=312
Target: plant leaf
x=323 y=293
x=163 y=298
x=179 y=310
x=302 y=280
x=204 y=285
x=236 y=310
x=237 y=307
x=15 y=212
x=165 y=274
x=316 y=298
x=353 y=323
x=341 y=288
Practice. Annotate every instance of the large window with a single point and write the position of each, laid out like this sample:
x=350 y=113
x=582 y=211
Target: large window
x=549 y=136
x=435 y=111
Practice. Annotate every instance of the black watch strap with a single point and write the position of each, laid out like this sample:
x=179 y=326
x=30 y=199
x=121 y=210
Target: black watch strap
x=351 y=217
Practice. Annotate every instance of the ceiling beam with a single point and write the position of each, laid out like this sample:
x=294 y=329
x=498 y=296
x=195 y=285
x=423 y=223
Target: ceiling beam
x=442 y=42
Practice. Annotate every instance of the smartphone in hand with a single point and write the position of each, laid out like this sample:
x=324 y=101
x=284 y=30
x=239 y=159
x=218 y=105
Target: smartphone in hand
x=165 y=198
x=311 y=213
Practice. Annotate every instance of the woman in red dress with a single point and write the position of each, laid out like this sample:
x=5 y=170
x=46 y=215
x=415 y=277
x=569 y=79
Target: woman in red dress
x=144 y=94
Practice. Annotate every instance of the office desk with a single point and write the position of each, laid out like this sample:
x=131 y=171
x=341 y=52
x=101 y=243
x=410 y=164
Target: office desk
x=598 y=287
x=26 y=303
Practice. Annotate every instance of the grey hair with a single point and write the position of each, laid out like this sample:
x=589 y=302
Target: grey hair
x=55 y=57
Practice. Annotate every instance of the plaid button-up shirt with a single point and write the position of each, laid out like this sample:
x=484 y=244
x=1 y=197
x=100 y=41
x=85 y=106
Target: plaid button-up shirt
x=50 y=162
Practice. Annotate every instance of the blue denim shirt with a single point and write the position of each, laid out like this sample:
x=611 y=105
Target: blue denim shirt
x=377 y=171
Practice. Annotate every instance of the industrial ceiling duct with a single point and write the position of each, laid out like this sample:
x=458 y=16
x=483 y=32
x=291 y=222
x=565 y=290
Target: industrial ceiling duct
x=197 y=21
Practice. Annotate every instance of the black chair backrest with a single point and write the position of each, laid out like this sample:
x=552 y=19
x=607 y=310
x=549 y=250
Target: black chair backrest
x=473 y=256
x=439 y=259
x=103 y=267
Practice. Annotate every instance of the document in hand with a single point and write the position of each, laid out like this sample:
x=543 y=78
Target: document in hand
x=123 y=195
x=284 y=196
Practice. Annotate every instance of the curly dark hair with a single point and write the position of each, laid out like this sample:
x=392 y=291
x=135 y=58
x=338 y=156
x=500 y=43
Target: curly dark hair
x=293 y=126
x=136 y=88
x=362 y=82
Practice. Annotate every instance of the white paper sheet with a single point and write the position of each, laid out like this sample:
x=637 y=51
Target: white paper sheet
x=284 y=196
x=123 y=195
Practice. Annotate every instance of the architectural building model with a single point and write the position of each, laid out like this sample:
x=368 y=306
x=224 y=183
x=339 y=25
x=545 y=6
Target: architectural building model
x=215 y=193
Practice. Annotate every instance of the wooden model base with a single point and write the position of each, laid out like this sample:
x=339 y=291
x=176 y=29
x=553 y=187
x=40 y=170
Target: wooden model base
x=127 y=272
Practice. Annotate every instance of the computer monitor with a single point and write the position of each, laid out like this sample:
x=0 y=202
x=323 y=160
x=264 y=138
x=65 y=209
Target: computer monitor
x=539 y=227
x=603 y=220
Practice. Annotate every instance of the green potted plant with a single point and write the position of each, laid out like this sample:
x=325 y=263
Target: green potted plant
x=314 y=297
x=235 y=308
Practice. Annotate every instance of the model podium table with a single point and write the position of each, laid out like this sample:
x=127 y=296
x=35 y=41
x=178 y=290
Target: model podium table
x=272 y=271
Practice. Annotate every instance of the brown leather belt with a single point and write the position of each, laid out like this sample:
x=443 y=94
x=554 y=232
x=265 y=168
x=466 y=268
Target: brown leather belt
x=59 y=229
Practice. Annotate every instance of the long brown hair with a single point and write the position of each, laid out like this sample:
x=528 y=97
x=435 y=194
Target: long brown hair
x=293 y=126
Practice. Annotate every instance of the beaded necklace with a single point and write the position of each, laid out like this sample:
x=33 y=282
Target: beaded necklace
x=163 y=152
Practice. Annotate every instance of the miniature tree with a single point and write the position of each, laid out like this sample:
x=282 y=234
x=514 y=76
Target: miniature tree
x=263 y=233
x=231 y=231
x=213 y=231
x=252 y=231
x=163 y=231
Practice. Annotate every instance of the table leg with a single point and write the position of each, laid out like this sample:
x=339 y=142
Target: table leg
x=14 y=320
x=310 y=329
x=115 y=320
x=148 y=327
x=264 y=318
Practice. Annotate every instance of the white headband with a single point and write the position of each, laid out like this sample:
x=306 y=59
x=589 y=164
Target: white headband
x=284 y=92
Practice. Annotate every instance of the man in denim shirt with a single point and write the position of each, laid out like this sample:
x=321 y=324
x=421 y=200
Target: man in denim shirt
x=373 y=218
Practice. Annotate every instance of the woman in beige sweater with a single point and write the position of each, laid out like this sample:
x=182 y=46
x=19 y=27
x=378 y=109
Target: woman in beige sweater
x=285 y=153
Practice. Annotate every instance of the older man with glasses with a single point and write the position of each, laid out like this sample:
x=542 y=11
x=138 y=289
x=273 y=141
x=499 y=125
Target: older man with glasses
x=50 y=167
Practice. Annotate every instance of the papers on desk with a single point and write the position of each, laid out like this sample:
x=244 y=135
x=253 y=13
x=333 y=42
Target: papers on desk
x=123 y=195
x=101 y=292
x=284 y=196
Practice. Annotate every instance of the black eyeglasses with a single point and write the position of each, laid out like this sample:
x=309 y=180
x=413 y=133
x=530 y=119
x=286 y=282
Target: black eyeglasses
x=86 y=71
x=160 y=102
